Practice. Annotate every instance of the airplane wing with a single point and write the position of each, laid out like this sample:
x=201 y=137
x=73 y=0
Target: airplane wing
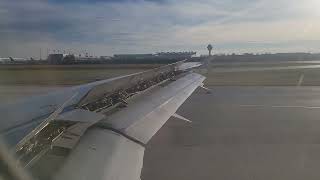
x=98 y=130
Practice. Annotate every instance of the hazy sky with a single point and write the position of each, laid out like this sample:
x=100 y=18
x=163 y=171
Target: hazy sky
x=105 y=27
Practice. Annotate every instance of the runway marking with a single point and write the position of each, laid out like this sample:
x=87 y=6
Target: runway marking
x=279 y=106
x=300 y=80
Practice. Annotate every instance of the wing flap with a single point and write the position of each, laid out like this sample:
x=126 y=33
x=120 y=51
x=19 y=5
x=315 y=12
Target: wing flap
x=145 y=115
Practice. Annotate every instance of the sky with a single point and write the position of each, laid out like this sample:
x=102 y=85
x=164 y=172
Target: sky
x=107 y=27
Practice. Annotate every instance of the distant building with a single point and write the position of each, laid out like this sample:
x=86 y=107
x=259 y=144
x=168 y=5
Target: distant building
x=132 y=56
x=176 y=55
x=61 y=59
x=69 y=59
x=55 y=58
x=105 y=57
x=162 y=57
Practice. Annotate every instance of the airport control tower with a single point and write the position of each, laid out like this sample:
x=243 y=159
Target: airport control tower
x=209 y=47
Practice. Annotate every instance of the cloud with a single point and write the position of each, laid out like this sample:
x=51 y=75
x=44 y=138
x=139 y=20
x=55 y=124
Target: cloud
x=104 y=27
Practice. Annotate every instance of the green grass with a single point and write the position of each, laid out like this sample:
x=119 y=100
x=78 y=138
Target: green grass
x=61 y=76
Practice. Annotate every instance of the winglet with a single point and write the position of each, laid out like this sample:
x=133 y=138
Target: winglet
x=181 y=117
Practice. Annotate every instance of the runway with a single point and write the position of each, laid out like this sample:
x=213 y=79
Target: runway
x=240 y=133
x=246 y=69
